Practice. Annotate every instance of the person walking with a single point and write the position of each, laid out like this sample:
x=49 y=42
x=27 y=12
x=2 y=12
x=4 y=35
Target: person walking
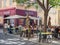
x=9 y=29
x=56 y=32
x=52 y=30
x=59 y=33
x=32 y=31
x=5 y=28
x=40 y=35
x=20 y=30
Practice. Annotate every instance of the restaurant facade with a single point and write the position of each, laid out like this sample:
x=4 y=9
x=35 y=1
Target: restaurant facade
x=13 y=11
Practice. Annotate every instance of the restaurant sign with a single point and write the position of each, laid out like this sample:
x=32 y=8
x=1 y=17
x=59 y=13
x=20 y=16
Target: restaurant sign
x=10 y=11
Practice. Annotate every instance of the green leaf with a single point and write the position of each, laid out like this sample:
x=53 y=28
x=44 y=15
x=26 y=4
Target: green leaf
x=54 y=2
x=35 y=3
x=36 y=6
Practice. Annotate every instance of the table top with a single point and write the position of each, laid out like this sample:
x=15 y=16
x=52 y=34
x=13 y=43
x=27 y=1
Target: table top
x=47 y=33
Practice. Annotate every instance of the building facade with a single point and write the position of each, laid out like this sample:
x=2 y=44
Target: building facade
x=10 y=7
x=54 y=13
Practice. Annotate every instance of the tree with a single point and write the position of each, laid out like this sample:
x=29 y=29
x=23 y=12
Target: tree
x=46 y=5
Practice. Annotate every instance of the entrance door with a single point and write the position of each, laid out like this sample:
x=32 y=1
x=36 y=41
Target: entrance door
x=6 y=20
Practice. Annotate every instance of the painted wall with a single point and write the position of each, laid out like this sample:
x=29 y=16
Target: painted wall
x=54 y=16
x=7 y=4
x=54 y=13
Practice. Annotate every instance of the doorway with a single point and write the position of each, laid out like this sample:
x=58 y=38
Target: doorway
x=6 y=20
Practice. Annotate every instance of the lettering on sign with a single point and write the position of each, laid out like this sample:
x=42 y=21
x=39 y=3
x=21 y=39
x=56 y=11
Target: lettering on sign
x=30 y=13
x=6 y=12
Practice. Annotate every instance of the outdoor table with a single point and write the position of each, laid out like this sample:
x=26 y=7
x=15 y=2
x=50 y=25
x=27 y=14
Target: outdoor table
x=45 y=33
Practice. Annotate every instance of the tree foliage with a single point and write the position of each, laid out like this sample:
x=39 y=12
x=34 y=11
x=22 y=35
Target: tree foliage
x=29 y=3
x=54 y=2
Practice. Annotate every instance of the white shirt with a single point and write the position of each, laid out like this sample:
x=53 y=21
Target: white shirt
x=12 y=25
x=5 y=25
x=8 y=26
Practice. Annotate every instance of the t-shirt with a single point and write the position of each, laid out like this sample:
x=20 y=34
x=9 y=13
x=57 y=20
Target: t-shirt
x=5 y=25
x=8 y=26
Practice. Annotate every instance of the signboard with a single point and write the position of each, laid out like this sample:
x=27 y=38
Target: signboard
x=24 y=12
x=13 y=11
x=10 y=11
x=6 y=12
x=1 y=20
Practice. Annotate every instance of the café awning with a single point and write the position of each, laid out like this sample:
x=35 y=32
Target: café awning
x=34 y=18
x=15 y=17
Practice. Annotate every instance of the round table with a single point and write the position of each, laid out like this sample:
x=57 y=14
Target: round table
x=46 y=33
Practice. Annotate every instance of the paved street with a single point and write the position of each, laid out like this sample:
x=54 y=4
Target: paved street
x=12 y=40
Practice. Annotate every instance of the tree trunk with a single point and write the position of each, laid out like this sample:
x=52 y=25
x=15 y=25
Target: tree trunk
x=45 y=20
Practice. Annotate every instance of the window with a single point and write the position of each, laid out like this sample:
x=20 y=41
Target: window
x=4 y=3
x=0 y=4
x=11 y=1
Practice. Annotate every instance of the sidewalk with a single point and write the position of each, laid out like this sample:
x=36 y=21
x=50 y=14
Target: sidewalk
x=34 y=39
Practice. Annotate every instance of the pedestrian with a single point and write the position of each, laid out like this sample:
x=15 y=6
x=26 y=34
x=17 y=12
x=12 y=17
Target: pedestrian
x=40 y=35
x=32 y=33
x=26 y=31
x=20 y=30
x=59 y=33
x=35 y=29
x=12 y=25
x=16 y=29
x=5 y=28
x=52 y=30
x=56 y=32
x=8 y=28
